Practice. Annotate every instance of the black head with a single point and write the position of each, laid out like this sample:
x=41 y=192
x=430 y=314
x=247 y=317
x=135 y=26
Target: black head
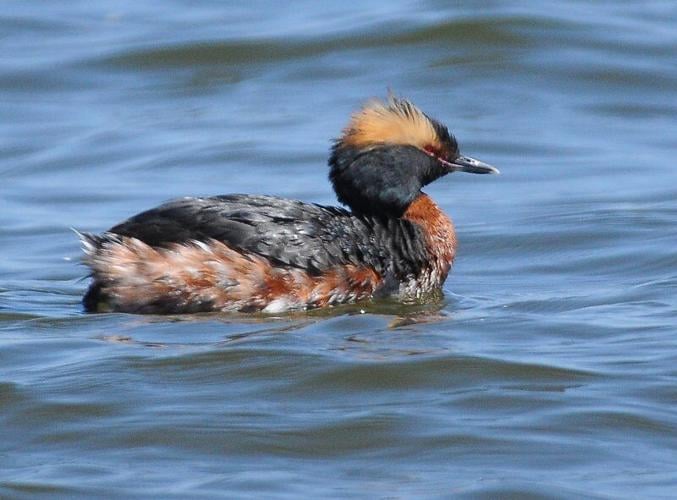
x=388 y=152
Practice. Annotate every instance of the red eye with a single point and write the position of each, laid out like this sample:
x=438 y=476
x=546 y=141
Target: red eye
x=435 y=152
x=432 y=150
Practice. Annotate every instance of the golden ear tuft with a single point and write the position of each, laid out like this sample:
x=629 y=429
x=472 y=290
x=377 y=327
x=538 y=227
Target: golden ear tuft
x=395 y=121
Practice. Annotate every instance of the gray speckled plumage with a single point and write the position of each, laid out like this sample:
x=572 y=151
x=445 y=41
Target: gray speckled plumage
x=289 y=232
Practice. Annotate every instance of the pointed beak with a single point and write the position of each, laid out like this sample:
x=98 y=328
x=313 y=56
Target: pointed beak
x=467 y=164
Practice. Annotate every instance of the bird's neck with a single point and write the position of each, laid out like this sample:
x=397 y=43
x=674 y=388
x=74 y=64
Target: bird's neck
x=438 y=230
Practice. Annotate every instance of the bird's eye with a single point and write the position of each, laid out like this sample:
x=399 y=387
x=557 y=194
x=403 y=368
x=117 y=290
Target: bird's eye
x=433 y=151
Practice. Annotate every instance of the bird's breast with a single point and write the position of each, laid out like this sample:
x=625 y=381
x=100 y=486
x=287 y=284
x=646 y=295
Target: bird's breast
x=440 y=239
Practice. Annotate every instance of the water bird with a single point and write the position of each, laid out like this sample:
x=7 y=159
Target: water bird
x=255 y=253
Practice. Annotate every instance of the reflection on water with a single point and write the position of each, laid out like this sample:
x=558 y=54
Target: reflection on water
x=546 y=370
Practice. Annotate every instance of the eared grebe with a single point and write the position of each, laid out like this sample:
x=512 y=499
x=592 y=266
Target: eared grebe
x=262 y=253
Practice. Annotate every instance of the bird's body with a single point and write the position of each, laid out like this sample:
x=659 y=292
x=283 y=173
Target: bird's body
x=262 y=253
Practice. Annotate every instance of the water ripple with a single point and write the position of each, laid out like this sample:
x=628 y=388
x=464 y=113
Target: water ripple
x=546 y=371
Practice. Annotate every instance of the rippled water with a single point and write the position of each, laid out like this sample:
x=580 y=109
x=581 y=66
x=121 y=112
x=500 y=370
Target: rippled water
x=548 y=371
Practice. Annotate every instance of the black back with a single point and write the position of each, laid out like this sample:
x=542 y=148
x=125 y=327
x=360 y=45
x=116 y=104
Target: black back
x=287 y=232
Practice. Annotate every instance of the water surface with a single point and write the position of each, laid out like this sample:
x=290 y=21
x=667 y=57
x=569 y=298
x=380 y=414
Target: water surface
x=548 y=371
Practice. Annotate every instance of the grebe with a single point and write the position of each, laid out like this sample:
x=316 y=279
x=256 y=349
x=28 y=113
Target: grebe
x=252 y=253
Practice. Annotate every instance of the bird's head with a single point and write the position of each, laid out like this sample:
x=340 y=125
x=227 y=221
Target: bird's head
x=388 y=152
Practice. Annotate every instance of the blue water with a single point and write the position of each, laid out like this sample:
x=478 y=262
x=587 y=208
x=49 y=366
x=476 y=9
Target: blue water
x=548 y=372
